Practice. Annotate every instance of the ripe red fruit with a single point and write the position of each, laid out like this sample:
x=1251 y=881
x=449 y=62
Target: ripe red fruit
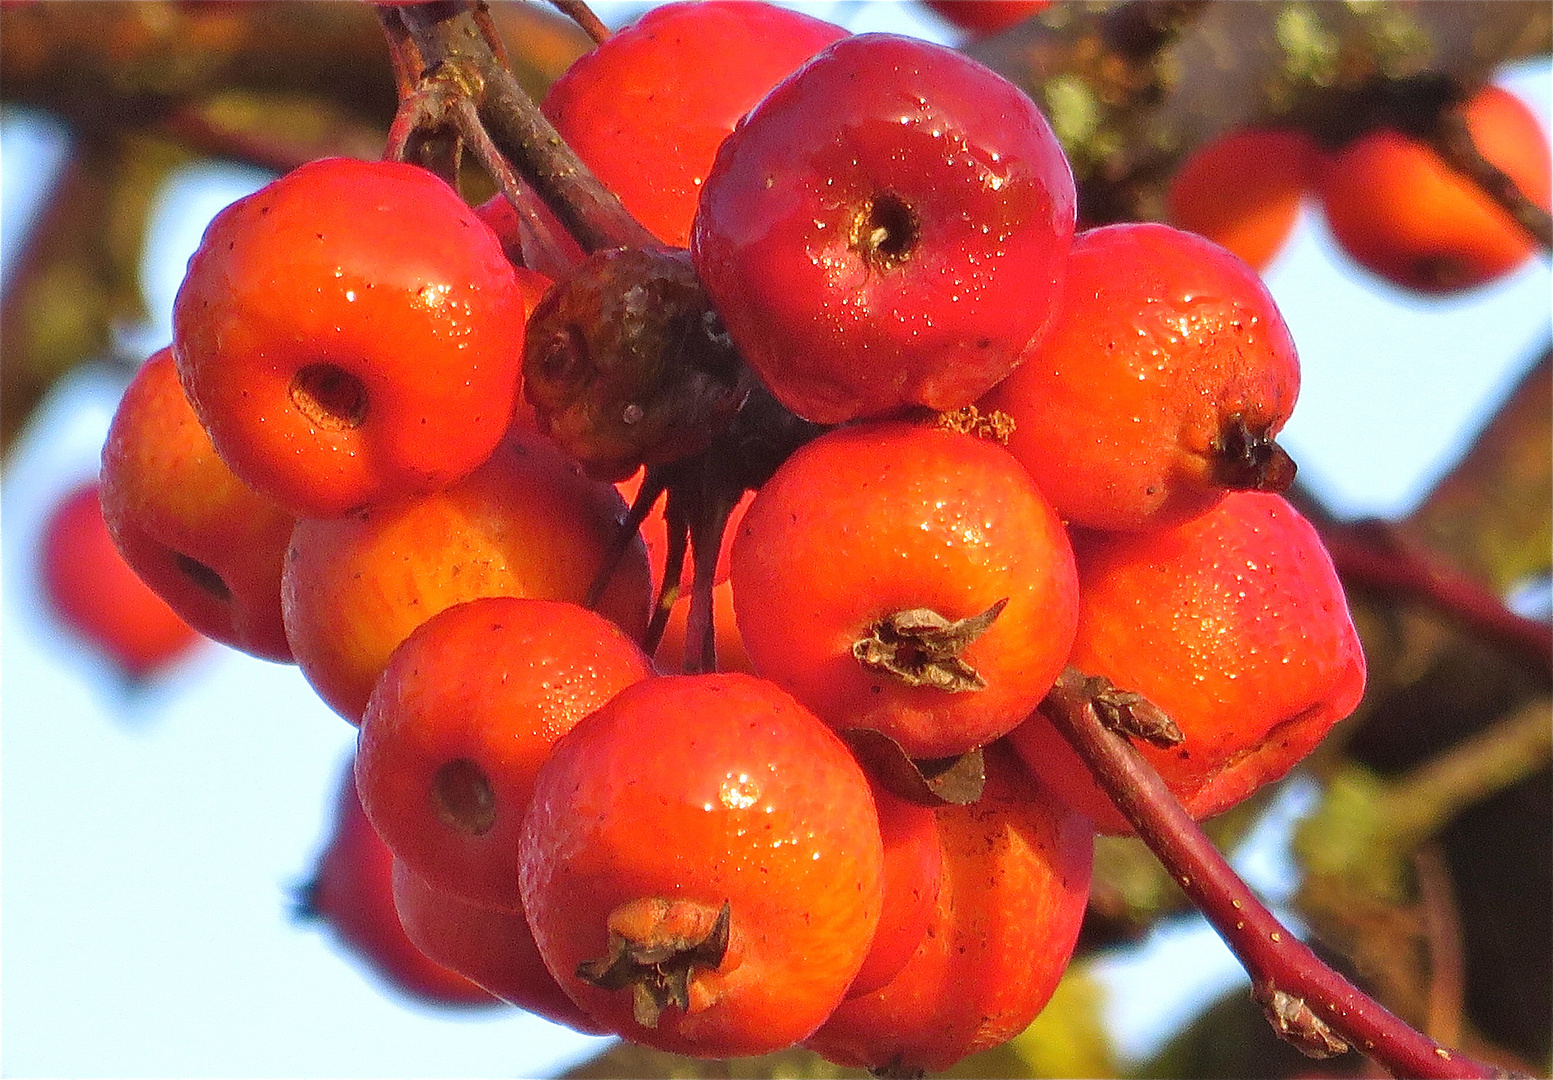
x=352 y=891
x=525 y=523
x=869 y=524
x=981 y=17
x=702 y=866
x=889 y=226
x=648 y=108
x=493 y=949
x=352 y=332
x=460 y=721
x=1161 y=385
x=1235 y=624
x=913 y=865
x=1399 y=211
x=100 y=597
x=206 y=542
x=1015 y=882
x=1243 y=190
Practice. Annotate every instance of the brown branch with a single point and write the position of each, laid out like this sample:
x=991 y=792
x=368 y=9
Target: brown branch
x=1442 y=929
x=276 y=151
x=1420 y=802
x=1375 y=557
x=448 y=34
x=1306 y=1000
x=1140 y=29
x=1453 y=141
x=581 y=14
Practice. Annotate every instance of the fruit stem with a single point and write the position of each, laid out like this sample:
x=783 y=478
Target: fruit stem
x=1373 y=556
x=581 y=14
x=1307 y=1002
x=1453 y=141
x=449 y=33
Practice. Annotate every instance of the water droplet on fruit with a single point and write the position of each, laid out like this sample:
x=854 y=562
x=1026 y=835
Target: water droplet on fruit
x=739 y=793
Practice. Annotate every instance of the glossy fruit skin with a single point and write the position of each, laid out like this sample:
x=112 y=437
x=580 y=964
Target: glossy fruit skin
x=889 y=226
x=1165 y=344
x=874 y=519
x=493 y=949
x=648 y=108
x=352 y=891
x=1015 y=882
x=1243 y=190
x=708 y=789
x=350 y=333
x=460 y=721
x=526 y=523
x=1236 y=625
x=99 y=596
x=913 y=868
x=1402 y=213
x=206 y=542
x=983 y=17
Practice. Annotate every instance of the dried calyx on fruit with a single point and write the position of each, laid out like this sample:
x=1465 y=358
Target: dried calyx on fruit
x=627 y=364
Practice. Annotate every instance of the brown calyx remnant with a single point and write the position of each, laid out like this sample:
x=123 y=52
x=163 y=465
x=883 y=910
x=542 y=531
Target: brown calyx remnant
x=969 y=420
x=950 y=781
x=1131 y=714
x=656 y=947
x=886 y=231
x=330 y=397
x=1247 y=459
x=920 y=647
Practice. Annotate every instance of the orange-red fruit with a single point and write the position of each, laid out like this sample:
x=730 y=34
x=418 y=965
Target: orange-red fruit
x=206 y=542
x=1243 y=190
x=913 y=866
x=648 y=108
x=352 y=891
x=873 y=520
x=865 y=231
x=1015 y=882
x=460 y=722
x=526 y=523
x=1236 y=625
x=350 y=333
x=981 y=17
x=493 y=949
x=1399 y=211
x=100 y=597
x=683 y=794
x=1161 y=386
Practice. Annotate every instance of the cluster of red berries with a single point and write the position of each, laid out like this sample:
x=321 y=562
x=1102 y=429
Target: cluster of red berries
x=1021 y=450
x=1393 y=204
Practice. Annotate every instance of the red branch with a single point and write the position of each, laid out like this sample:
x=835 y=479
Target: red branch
x=1372 y=556
x=1306 y=999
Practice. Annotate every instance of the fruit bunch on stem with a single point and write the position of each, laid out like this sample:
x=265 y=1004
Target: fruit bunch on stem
x=1016 y=509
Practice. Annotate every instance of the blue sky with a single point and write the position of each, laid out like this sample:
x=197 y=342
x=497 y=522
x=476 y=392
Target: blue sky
x=150 y=844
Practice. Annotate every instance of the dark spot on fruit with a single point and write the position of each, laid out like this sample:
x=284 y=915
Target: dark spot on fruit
x=1245 y=458
x=330 y=397
x=886 y=232
x=203 y=576
x=462 y=797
